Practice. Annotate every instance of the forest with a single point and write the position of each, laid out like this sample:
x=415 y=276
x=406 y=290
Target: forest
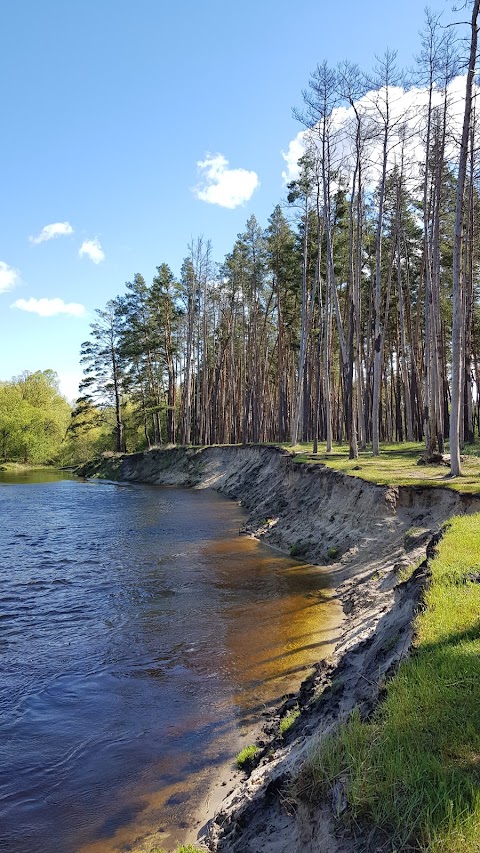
x=351 y=316
x=34 y=418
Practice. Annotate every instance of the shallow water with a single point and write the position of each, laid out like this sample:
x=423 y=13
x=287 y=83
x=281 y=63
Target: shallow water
x=139 y=635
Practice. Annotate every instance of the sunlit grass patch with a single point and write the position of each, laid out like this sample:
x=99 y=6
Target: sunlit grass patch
x=396 y=466
x=246 y=756
x=288 y=720
x=185 y=848
x=19 y=467
x=414 y=769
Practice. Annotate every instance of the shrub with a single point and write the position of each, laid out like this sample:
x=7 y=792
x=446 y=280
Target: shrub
x=299 y=549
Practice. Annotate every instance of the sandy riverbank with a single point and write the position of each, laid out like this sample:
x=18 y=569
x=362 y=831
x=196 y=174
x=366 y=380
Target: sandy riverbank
x=368 y=534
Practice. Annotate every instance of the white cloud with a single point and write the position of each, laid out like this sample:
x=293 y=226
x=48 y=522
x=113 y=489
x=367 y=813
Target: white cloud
x=49 y=307
x=69 y=383
x=93 y=250
x=221 y=185
x=48 y=232
x=407 y=115
x=8 y=277
x=295 y=150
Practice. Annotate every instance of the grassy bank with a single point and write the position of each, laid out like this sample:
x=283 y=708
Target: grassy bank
x=18 y=467
x=413 y=770
x=397 y=466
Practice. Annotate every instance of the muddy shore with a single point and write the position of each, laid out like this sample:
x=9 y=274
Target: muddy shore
x=370 y=535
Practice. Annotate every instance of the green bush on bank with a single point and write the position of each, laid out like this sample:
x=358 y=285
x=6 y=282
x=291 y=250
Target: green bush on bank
x=246 y=756
x=414 y=769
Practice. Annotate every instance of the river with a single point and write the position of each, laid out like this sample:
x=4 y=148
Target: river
x=140 y=635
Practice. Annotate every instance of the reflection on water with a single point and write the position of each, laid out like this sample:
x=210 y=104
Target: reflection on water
x=25 y=476
x=138 y=636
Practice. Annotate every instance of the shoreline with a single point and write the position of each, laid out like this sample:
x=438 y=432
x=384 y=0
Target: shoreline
x=354 y=676
x=386 y=531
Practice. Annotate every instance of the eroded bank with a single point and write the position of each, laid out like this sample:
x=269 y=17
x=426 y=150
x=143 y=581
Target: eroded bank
x=370 y=535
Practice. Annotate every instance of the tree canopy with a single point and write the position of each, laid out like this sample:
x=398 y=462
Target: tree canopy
x=33 y=417
x=334 y=322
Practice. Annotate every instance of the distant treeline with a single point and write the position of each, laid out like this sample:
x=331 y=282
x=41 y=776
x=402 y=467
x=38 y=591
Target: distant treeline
x=354 y=315
x=34 y=418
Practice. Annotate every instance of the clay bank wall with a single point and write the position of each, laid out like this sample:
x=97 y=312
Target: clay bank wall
x=323 y=515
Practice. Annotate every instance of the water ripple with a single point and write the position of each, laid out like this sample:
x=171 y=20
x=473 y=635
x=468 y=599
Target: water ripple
x=137 y=632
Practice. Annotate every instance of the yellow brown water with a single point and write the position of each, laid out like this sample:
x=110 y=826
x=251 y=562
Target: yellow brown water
x=141 y=636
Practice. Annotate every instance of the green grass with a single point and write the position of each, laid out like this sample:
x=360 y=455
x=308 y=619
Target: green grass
x=18 y=467
x=246 y=756
x=288 y=720
x=185 y=848
x=189 y=848
x=413 y=770
x=397 y=466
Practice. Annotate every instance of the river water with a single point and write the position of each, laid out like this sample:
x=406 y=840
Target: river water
x=139 y=637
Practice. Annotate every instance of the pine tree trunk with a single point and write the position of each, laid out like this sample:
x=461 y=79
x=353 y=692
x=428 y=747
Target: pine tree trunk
x=458 y=284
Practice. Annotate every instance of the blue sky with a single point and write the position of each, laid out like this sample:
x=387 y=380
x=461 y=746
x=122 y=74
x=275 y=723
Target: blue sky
x=108 y=107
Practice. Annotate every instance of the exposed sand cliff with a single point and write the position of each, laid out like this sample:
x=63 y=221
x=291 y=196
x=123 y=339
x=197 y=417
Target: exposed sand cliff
x=367 y=534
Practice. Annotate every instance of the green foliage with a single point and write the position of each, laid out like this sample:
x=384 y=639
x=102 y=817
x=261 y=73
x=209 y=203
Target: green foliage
x=189 y=848
x=332 y=552
x=184 y=848
x=246 y=756
x=89 y=434
x=288 y=720
x=299 y=549
x=104 y=381
x=147 y=349
x=413 y=769
x=33 y=418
